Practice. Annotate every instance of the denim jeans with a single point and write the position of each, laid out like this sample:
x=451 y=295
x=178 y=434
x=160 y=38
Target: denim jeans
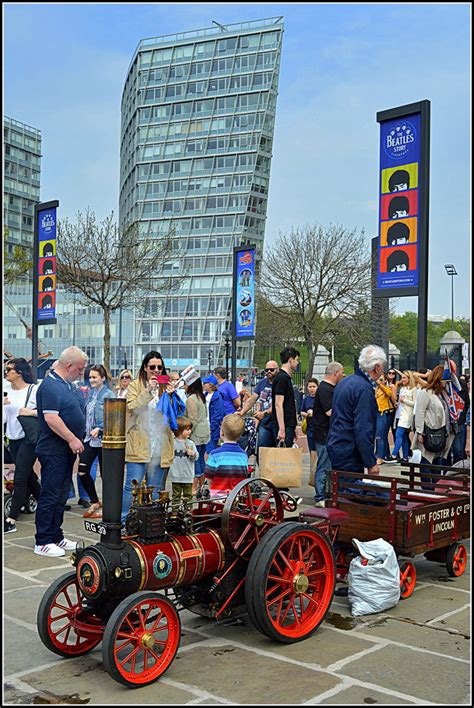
x=402 y=440
x=435 y=475
x=265 y=437
x=155 y=477
x=459 y=443
x=289 y=435
x=310 y=439
x=382 y=449
x=56 y=476
x=323 y=468
x=200 y=463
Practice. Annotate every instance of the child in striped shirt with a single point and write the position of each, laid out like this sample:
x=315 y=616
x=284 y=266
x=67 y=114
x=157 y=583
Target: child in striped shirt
x=228 y=464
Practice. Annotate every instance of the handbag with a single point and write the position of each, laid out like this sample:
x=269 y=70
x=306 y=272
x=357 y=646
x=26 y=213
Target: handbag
x=29 y=423
x=304 y=426
x=434 y=439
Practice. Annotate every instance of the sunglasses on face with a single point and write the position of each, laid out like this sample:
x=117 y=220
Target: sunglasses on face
x=10 y=368
x=269 y=369
x=125 y=377
x=152 y=367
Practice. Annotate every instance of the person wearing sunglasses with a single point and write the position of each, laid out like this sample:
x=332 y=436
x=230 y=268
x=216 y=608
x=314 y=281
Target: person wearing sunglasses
x=124 y=380
x=262 y=397
x=149 y=450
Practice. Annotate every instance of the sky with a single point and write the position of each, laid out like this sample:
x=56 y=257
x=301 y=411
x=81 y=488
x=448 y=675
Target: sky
x=65 y=67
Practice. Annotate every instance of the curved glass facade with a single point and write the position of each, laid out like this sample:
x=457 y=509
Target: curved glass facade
x=198 y=112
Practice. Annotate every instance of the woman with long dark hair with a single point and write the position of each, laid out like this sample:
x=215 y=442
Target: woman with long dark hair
x=196 y=411
x=99 y=391
x=149 y=451
x=21 y=400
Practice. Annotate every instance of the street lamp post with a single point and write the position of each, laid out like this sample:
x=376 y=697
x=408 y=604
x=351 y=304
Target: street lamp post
x=451 y=270
x=227 y=334
x=209 y=358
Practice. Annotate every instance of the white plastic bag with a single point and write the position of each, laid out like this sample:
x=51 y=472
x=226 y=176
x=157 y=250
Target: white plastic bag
x=374 y=578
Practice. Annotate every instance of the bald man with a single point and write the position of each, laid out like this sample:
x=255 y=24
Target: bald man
x=262 y=396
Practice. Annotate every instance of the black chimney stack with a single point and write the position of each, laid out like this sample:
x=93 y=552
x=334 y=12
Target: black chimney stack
x=113 y=463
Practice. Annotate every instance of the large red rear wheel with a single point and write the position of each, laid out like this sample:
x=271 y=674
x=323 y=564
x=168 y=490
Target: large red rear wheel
x=65 y=625
x=290 y=582
x=456 y=559
x=141 y=639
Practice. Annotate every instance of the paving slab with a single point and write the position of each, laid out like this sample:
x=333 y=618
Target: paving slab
x=74 y=677
x=246 y=678
x=23 y=649
x=357 y=695
x=427 y=603
x=321 y=648
x=423 y=637
x=401 y=669
x=460 y=621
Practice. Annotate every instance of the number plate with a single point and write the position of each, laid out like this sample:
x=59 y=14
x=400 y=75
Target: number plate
x=95 y=528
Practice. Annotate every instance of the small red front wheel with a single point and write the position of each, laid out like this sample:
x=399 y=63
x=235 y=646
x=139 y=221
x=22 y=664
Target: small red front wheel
x=456 y=559
x=141 y=639
x=407 y=579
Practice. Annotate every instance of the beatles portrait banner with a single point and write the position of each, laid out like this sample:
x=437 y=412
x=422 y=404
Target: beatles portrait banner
x=403 y=200
x=44 y=263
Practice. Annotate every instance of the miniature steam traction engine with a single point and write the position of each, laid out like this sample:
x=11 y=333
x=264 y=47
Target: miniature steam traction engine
x=223 y=557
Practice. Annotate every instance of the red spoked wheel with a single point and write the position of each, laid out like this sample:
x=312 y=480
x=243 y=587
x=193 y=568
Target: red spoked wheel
x=141 y=639
x=456 y=559
x=290 y=582
x=251 y=509
x=407 y=579
x=65 y=625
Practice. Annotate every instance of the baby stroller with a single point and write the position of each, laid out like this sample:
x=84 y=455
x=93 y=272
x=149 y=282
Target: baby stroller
x=248 y=442
x=29 y=506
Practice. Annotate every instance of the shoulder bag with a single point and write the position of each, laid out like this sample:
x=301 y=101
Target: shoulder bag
x=29 y=423
x=434 y=439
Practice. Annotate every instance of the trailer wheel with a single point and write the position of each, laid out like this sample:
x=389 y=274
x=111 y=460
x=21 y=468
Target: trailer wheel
x=290 y=582
x=65 y=625
x=456 y=559
x=407 y=579
x=141 y=639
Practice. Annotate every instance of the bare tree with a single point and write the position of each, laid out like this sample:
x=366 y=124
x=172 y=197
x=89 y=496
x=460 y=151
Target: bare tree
x=111 y=266
x=317 y=275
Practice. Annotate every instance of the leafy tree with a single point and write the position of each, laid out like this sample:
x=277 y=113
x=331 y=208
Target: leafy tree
x=111 y=266
x=313 y=278
x=17 y=263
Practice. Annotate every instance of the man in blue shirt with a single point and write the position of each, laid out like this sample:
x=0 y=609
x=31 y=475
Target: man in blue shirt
x=230 y=397
x=351 y=438
x=61 y=431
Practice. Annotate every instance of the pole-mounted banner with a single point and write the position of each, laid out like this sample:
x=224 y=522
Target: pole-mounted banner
x=44 y=263
x=244 y=292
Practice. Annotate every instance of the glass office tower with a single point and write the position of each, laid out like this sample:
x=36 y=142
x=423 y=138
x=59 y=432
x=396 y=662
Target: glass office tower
x=198 y=112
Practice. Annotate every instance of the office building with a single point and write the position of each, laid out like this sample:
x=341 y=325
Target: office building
x=198 y=113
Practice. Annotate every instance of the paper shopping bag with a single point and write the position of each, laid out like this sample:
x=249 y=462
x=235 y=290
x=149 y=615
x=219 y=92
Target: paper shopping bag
x=281 y=465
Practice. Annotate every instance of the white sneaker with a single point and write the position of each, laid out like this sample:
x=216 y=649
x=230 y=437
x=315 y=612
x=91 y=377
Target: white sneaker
x=49 y=549
x=321 y=503
x=67 y=545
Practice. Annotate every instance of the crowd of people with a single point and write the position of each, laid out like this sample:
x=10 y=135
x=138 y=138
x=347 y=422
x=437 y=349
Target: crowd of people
x=205 y=428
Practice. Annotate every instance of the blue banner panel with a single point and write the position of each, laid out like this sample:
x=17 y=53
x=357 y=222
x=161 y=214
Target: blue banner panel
x=400 y=154
x=244 y=305
x=46 y=266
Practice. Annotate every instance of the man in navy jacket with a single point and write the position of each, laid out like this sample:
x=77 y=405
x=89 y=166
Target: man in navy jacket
x=351 y=436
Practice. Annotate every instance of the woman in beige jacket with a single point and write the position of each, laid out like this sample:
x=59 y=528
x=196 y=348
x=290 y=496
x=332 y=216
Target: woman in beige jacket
x=149 y=450
x=432 y=410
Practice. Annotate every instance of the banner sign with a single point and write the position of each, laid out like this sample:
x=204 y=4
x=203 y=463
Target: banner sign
x=45 y=263
x=244 y=292
x=399 y=237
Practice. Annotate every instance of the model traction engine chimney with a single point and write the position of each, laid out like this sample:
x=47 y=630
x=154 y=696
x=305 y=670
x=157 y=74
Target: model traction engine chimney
x=113 y=463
